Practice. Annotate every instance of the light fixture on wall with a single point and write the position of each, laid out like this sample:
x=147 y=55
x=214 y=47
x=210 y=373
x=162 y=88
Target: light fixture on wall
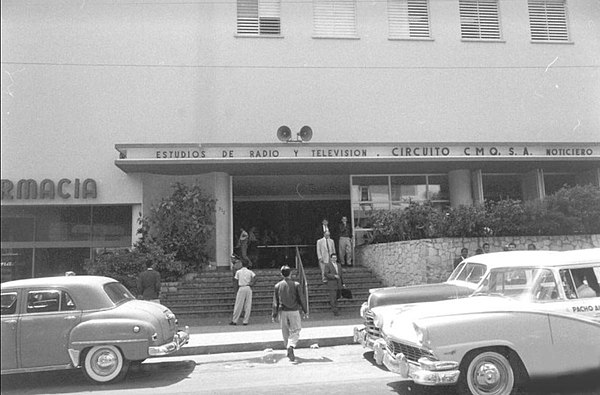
x=284 y=133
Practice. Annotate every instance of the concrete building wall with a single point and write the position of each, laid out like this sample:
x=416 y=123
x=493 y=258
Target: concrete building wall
x=79 y=78
x=431 y=260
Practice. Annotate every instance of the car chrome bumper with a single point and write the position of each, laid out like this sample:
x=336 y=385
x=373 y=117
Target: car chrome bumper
x=361 y=336
x=400 y=365
x=180 y=339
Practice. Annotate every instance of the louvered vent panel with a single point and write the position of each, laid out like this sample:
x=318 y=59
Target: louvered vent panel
x=479 y=19
x=334 y=18
x=408 y=19
x=548 y=20
x=269 y=17
x=258 y=17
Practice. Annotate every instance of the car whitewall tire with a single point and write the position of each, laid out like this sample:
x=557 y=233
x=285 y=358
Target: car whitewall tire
x=104 y=364
x=487 y=373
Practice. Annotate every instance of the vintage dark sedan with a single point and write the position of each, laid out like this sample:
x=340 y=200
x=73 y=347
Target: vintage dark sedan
x=87 y=322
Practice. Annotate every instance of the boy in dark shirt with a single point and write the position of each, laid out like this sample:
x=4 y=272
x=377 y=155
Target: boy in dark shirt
x=288 y=300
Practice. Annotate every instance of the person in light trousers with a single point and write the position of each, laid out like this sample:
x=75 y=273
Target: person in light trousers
x=245 y=279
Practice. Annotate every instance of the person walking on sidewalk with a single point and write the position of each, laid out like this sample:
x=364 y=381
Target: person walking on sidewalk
x=244 y=279
x=288 y=300
x=335 y=282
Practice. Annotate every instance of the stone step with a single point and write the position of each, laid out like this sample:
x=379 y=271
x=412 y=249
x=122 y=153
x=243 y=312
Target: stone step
x=213 y=294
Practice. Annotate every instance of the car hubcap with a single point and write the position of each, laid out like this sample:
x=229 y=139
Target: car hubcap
x=106 y=363
x=487 y=375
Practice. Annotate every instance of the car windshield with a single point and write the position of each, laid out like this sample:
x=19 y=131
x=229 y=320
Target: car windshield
x=468 y=271
x=117 y=292
x=520 y=283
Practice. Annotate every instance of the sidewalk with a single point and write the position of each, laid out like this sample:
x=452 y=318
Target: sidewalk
x=214 y=335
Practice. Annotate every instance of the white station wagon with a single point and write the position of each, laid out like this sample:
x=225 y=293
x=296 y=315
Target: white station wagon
x=536 y=316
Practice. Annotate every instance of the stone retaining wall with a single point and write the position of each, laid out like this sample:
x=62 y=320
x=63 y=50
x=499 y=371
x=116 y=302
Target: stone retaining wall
x=430 y=260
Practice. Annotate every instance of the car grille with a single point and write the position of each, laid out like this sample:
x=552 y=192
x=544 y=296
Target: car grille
x=372 y=330
x=410 y=352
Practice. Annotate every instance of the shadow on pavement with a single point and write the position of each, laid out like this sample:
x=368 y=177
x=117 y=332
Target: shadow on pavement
x=145 y=375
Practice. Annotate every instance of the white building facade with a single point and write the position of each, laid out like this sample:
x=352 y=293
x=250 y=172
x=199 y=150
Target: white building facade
x=106 y=104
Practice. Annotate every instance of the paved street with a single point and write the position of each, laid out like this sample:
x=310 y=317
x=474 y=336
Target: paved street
x=327 y=370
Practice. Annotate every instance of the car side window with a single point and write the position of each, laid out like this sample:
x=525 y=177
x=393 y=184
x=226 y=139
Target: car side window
x=9 y=303
x=66 y=302
x=585 y=282
x=547 y=288
x=568 y=283
x=43 y=301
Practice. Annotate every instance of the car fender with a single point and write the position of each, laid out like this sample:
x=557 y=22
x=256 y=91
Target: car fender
x=131 y=336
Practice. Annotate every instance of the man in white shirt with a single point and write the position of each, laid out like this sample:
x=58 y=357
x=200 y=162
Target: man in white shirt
x=325 y=247
x=244 y=279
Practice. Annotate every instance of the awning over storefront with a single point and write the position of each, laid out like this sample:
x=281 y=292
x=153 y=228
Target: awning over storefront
x=353 y=158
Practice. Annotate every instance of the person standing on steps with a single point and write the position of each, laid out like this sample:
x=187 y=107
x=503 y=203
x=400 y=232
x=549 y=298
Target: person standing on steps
x=245 y=279
x=335 y=282
x=325 y=247
x=288 y=300
x=345 y=242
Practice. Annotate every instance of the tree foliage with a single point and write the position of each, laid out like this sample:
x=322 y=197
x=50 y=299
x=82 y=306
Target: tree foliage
x=181 y=224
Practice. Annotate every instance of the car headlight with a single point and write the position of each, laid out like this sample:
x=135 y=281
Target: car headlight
x=363 y=310
x=378 y=320
x=422 y=335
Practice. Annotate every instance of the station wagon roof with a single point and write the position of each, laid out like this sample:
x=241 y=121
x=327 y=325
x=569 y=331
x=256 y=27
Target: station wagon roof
x=536 y=258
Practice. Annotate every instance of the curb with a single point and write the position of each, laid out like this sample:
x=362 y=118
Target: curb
x=260 y=346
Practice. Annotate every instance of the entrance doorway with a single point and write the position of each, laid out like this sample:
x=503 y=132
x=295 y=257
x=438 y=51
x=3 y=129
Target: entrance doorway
x=281 y=213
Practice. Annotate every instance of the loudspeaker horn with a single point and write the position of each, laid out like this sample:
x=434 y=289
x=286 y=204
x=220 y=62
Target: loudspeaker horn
x=284 y=133
x=305 y=133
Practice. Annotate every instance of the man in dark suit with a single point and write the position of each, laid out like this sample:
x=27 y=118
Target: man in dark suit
x=148 y=284
x=334 y=281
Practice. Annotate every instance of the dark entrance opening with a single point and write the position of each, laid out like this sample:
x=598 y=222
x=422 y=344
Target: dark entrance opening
x=276 y=228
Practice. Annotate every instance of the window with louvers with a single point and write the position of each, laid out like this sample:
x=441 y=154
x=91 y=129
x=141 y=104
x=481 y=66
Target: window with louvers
x=259 y=17
x=334 y=18
x=548 y=20
x=479 y=20
x=408 y=19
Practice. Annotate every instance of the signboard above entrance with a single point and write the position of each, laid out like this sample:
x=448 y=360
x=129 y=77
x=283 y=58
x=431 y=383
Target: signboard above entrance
x=355 y=151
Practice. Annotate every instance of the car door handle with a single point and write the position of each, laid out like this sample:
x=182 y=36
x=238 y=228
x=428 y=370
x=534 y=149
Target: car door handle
x=70 y=317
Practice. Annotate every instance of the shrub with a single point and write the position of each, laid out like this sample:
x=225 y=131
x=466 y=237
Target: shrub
x=572 y=210
x=125 y=265
x=181 y=225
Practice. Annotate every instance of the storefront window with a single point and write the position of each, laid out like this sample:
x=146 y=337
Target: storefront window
x=111 y=224
x=406 y=189
x=16 y=263
x=370 y=193
x=20 y=229
x=57 y=261
x=498 y=187
x=63 y=223
x=438 y=189
x=50 y=240
x=554 y=182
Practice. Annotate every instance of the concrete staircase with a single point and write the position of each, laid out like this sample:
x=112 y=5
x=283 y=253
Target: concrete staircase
x=212 y=294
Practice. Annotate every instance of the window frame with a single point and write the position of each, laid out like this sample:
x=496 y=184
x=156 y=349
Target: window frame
x=331 y=22
x=473 y=15
x=547 y=21
x=261 y=24
x=400 y=15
